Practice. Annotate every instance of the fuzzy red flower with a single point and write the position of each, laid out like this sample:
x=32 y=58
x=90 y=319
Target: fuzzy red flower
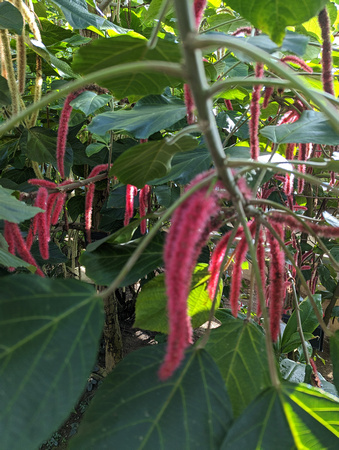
x=255 y=114
x=131 y=192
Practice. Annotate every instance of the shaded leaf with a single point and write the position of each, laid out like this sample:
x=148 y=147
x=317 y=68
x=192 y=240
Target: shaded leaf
x=10 y=18
x=5 y=95
x=145 y=162
x=287 y=417
x=167 y=195
x=13 y=210
x=9 y=260
x=190 y=410
x=105 y=263
x=238 y=348
x=49 y=333
x=88 y=102
x=151 y=305
x=274 y=16
x=149 y=115
x=102 y=53
x=312 y=127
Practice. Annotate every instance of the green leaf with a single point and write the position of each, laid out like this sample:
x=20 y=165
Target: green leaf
x=294 y=341
x=287 y=417
x=49 y=334
x=238 y=348
x=151 y=114
x=102 y=53
x=309 y=322
x=274 y=16
x=5 y=95
x=145 y=162
x=151 y=305
x=10 y=18
x=311 y=127
x=88 y=102
x=167 y=195
x=105 y=263
x=9 y=260
x=334 y=347
x=13 y=210
x=191 y=410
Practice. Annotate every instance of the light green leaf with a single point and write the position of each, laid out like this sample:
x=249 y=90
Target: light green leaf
x=88 y=102
x=105 y=263
x=309 y=323
x=102 y=53
x=10 y=18
x=287 y=417
x=238 y=348
x=151 y=114
x=151 y=306
x=13 y=210
x=312 y=127
x=334 y=347
x=145 y=162
x=272 y=17
x=49 y=334
x=191 y=410
x=331 y=220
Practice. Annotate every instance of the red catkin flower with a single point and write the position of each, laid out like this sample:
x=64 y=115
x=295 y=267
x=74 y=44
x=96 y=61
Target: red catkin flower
x=9 y=236
x=239 y=258
x=189 y=102
x=131 y=192
x=301 y=167
x=276 y=280
x=182 y=248
x=242 y=30
x=261 y=264
x=20 y=246
x=144 y=202
x=327 y=76
x=267 y=95
x=296 y=60
x=42 y=183
x=59 y=204
x=199 y=8
x=42 y=223
x=294 y=224
x=255 y=114
x=228 y=104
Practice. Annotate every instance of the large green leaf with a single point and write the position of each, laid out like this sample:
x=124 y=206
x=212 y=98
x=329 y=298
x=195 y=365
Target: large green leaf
x=189 y=411
x=88 y=102
x=10 y=18
x=274 y=16
x=152 y=114
x=49 y=333
x=145 y=162
x=287 y=417
x=309 y=323
x=7 y=259
x=105 y=263
x=5 y=95
x=13 y=210
x=151 y=306
x=334 y=345
x=238 y=348
x=312 y=127
x=102 y=53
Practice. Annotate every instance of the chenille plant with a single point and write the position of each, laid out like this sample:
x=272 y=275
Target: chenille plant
x=184 y=151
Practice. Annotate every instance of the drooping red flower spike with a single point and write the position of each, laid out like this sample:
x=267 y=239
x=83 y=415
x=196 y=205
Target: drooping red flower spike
x=144 y=194
x=189 y=102
x=295 y=225
x=298 y=61
x=276 y=279
x=228 y=104
x=42 y=183
x=242 y=30
x=327 y=75
x=199 y=8
x=267 y=95
x=131 y=192
x=20 y=245
x=42 y=222
x=301 y=167
x=255 y=114
x=182 y=248
x=239 y=258
x=261 y=264
x=89 y=198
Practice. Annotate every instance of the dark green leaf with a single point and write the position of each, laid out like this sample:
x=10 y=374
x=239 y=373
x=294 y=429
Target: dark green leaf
x=189 y=411
x=274 y=16
x=88 y=102
x=5 y=95
x=335 y=252
x=151 y=306
x=167 y=195
x=145 y=162
x=334 y=346
x=13 y=210
x=287 y=417
x=102 y=53
x=10 y=18
x=311 y=127
x=9 y=260
x=105 y=263
x=309 y=322
x=152 y=114
x=49 y=333
x=238 y=348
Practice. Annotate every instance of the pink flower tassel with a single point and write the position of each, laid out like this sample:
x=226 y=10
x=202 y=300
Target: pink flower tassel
x=267 y=95
x=255 y=114
x=143 y=199
x=131 y=192
x=261 y=264
x=199 y=8
x=42 y=223
x=189 y=102
x=327 y=66
x=298 y=61
x=228 y=104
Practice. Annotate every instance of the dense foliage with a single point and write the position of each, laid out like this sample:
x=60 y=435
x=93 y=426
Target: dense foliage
x=165 y=147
